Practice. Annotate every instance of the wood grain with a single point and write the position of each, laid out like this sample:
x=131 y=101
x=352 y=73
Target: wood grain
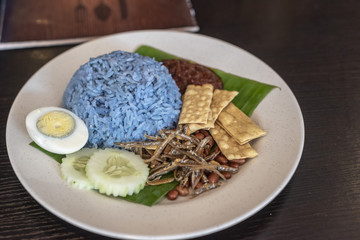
x=314 y=46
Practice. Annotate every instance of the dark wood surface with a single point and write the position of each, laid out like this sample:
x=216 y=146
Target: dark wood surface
x=314 y=46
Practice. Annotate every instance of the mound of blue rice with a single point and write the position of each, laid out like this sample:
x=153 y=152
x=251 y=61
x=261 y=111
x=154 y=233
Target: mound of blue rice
x=121 y=96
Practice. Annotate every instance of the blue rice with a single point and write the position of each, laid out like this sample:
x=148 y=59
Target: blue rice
x=121 y=96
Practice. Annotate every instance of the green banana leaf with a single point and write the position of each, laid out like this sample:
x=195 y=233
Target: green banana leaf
x=150 y=195
x=55 y=156
x=251 y=92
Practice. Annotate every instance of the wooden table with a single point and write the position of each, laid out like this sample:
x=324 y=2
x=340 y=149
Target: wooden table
x=314 y=46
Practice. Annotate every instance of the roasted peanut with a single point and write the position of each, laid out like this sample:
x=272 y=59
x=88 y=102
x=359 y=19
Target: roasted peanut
x=172 y=194
x=183 y=191
x=211 y=142
x=199 y=135
x=221 y=159
x=213 y=178
x=207 y=151
x=234 y=164
x=206 y=133
x=199 y=185
x=227 y=175
x=239 y=161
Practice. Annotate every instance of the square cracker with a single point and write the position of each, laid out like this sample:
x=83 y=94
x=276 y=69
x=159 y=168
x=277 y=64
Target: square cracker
x=229 y=147
x=221 y=98
x=193 y=127
x=238 y=125
x=196 y=104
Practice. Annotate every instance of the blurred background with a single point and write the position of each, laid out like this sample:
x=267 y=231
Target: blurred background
x=25 y=23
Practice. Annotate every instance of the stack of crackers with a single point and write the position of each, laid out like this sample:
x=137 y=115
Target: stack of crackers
x=232 y=130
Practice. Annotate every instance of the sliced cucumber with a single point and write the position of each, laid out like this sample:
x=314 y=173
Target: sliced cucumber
x=73 y=168
x=117 y=172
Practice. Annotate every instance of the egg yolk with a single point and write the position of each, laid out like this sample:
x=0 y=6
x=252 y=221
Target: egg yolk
x=56 y=124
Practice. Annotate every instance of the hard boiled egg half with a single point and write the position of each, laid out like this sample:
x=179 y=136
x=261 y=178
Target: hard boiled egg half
x=57 y=130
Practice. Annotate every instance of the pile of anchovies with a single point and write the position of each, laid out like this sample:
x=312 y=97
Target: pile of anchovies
x=191 y=159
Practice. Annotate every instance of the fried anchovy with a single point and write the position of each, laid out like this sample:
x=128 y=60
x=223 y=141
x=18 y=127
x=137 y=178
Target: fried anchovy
x=195 y=177
x=212 y=156
x=160 y=148
x=159 y=181
x=183 y=146
x=205 y=187
x=202 y=144
x=168 y=168
x=190 y=154
x=227 y=169
x=185 y=179
x=142 y=144
x=154 y=138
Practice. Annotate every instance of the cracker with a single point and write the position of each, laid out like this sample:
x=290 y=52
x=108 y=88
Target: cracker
x=229 y=147
x=193 y=127
x=196 y=104
x=221 y=98
x=238 y=125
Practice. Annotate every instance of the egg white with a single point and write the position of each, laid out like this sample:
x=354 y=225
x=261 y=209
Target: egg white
x=64 y=145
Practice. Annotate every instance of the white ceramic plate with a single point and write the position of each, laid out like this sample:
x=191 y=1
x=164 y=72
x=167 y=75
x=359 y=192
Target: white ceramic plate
x=257 y=183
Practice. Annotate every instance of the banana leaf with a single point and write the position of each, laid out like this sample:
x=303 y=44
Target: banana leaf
x=251 y=92
x=150 y=195
x=55 y=156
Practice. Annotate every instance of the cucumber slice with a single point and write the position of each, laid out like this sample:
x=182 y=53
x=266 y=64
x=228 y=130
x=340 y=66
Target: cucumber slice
x=73 y=168
x=117 y=172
